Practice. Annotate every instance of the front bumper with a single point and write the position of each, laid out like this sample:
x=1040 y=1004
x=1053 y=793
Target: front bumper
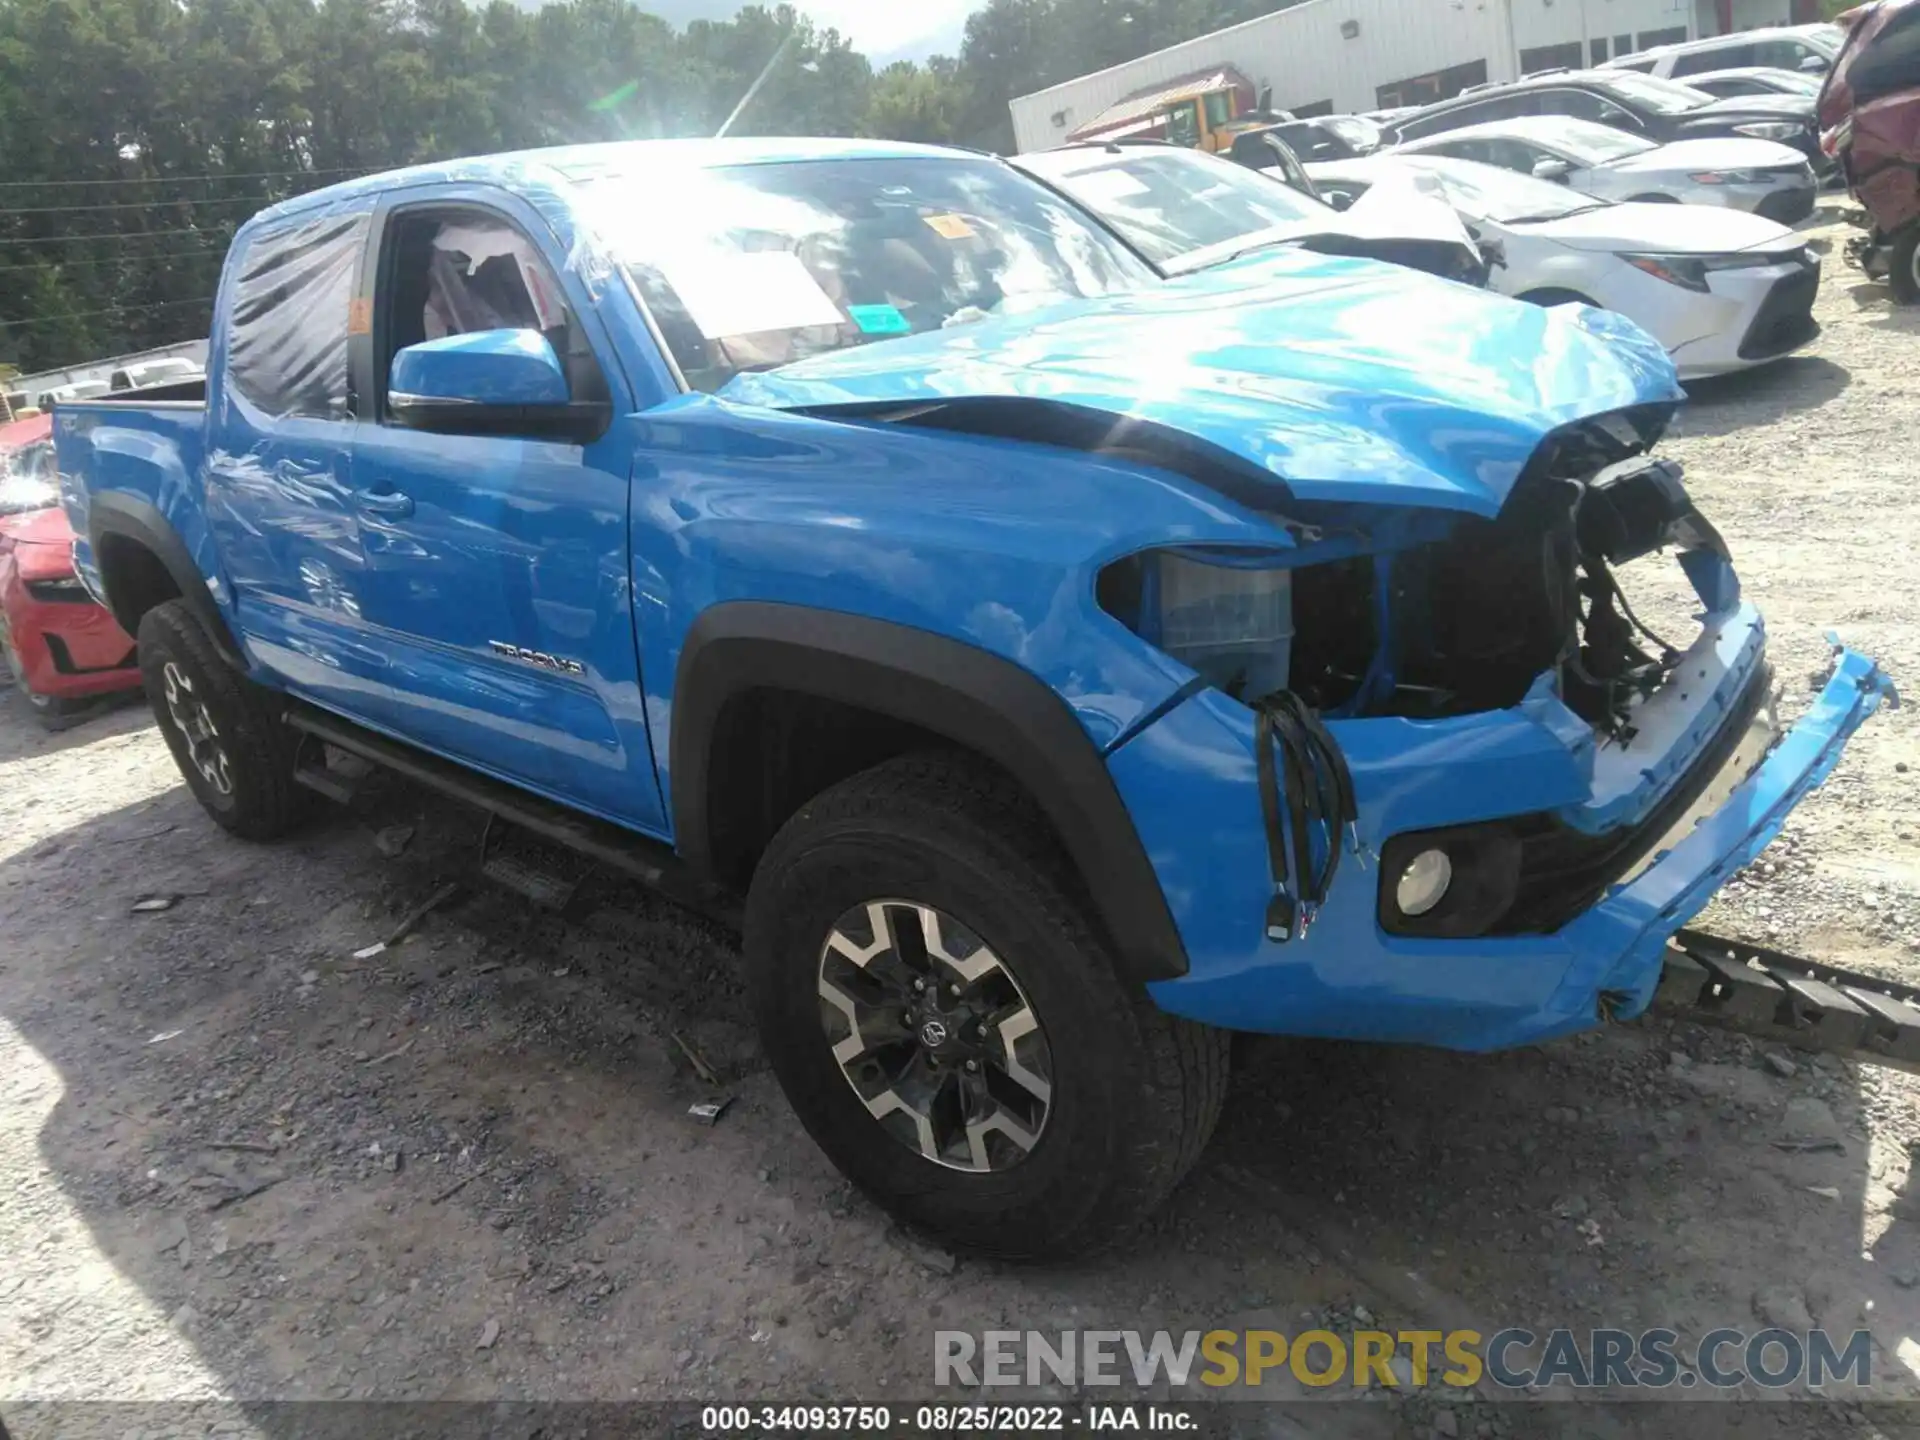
x=1758 y=314
x=68 y=648
x=1189 y=781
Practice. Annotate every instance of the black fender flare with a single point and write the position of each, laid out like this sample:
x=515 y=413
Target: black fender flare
x=958 y=691
x=112 y=513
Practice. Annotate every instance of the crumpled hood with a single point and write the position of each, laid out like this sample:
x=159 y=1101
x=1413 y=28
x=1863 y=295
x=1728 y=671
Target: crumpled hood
x=1334 y=379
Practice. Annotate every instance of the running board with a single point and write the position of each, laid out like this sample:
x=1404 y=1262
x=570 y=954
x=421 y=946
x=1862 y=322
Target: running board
x=638 y=858
x=1802 y=1003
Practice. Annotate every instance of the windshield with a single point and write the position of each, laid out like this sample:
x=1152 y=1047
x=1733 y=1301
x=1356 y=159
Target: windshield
x=1583 y=140
x=751 y=267
x=1663 y=97
x=1483 y=192
x=1172 y=203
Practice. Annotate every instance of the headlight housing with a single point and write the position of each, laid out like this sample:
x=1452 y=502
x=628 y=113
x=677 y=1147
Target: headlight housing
x=1225 y=613
x=1771 y=129
x=1690 y=272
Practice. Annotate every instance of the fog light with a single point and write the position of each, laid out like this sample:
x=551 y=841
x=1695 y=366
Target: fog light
x=1423 y=884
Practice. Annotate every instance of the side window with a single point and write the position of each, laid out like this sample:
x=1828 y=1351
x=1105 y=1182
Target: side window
x=454 y=271
x=1453 y=119
x=1721 y=57
x=1183 y=123
x=1782 y=54
x=1517 y=155
x=1458 y=149
x=1594 y=105
x=287 y=315
x=1219 y=109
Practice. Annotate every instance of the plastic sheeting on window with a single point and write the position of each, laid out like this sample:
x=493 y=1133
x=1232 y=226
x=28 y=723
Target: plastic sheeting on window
x=287 y=331
x=485 y=276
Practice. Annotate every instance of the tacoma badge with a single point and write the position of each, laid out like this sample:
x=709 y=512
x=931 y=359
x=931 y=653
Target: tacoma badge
x=537 y=657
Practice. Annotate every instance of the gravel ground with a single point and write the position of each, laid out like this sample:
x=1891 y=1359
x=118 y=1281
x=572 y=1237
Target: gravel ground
x=237 y=1162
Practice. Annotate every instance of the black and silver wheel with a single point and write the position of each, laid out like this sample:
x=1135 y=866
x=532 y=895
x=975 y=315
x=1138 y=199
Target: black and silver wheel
x=224 y=731
x=935 y=1035
x=948 y=1023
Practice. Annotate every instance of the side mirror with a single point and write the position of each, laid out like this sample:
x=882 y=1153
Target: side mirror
x=1551 y=170
x=1338 y=199
x=1815 y=64
x=490 y=382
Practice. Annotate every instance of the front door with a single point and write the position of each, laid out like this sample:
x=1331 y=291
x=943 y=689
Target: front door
x=497 y=566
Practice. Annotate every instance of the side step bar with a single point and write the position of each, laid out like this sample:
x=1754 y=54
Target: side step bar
x=634 y=856
x=1783 y=998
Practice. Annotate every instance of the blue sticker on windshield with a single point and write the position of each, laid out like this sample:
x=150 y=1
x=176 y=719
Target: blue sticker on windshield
x=880 y=319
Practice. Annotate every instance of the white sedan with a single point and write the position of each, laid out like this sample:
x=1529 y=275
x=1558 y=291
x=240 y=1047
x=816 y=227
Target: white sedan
x=1767 y=178
x=1721 y=289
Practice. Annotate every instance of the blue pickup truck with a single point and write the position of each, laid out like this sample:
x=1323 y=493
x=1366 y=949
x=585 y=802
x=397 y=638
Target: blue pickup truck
x=1054 y=664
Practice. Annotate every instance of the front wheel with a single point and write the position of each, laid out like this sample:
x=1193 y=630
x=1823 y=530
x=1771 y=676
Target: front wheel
x=1903 y=269
x=949 y=1026
x=225 y=732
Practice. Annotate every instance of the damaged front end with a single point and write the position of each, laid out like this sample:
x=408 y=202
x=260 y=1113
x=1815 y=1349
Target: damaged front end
x=1524 y=788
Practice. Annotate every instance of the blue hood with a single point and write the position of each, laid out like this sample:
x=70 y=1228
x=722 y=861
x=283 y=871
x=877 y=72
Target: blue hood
x=1343 y=380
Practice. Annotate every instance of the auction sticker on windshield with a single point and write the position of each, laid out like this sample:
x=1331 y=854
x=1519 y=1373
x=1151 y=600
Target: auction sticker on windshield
x=741 y=294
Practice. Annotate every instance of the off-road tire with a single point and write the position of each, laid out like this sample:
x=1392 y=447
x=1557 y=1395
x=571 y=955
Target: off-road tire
x=1136 y=1092
x=1903 y=266
x=263 y=801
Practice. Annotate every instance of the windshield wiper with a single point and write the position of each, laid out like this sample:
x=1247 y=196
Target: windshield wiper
x=1186 y=263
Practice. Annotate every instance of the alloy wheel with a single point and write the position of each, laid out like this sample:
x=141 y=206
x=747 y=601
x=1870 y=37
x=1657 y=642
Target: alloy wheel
x=934 y=1034
x=189 y=715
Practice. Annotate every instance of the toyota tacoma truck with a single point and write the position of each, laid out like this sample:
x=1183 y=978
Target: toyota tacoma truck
x=1054 y=665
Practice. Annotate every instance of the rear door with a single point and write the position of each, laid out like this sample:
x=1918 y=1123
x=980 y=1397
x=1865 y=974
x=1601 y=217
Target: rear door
x=279 y=456
x=497 y=575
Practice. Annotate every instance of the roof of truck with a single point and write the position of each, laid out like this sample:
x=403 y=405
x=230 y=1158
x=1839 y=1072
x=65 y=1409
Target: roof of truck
x=582 y=162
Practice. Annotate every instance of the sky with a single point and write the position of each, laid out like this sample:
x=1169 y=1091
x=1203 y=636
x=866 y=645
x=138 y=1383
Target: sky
x=882 y=30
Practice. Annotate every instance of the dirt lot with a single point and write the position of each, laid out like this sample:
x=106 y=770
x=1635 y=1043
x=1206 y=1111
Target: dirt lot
x=236 y=1161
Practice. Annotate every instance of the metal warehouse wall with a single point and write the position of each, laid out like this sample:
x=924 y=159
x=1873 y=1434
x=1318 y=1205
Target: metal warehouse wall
x=1304 y=55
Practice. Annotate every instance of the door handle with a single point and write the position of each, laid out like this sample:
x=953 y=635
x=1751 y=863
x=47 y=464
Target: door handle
x=384 y=502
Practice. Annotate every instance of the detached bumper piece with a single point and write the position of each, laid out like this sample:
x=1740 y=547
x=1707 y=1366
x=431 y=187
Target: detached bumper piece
x=1801 y=1003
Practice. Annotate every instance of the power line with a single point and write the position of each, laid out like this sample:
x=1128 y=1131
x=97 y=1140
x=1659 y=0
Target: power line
x=185 y=179
x=114 y=310
x=148 y=204
x=107 y=235
x=201 y=254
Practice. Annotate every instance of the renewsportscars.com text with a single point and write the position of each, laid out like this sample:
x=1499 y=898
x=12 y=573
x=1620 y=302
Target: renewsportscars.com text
x=1514 y=1358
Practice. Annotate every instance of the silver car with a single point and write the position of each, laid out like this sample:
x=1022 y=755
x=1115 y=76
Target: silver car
x=1760 y=176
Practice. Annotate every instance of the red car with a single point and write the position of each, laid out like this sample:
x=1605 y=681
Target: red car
x=64 y=650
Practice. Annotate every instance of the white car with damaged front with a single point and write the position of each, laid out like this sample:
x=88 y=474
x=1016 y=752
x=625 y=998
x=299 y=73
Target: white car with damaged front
x=1722 y=290
x=1762 y=176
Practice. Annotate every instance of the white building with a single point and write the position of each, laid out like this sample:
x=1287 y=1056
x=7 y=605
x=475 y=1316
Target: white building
x=1339 y=56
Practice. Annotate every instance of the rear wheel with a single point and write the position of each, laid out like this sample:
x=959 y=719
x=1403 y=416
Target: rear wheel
x=224 y=731
x=949 y=1027
x=1903 y=271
